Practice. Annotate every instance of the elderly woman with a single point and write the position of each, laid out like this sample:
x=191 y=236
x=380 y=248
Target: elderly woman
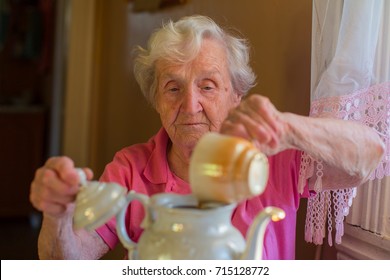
x=195 y=75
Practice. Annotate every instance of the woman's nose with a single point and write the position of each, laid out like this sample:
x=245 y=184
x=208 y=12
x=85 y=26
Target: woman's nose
x=191 y=101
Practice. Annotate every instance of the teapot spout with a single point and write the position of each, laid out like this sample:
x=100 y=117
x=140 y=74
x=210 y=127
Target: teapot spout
x=254 y=246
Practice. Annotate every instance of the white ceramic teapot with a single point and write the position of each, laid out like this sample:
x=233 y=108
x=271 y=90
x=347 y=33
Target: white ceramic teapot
x=177 y=227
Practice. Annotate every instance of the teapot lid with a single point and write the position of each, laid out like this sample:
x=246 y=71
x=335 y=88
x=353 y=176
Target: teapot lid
x=96 y=203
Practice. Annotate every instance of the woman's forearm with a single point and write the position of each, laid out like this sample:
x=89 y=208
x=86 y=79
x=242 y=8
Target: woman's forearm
x=349 y=151
x=58 y=240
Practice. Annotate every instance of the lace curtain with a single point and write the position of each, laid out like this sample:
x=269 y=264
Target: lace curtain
x=351 y=81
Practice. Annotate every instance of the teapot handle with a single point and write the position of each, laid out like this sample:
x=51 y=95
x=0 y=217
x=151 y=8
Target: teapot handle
x=129 y=244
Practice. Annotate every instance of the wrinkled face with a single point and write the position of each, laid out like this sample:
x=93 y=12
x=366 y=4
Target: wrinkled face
x=194 y=98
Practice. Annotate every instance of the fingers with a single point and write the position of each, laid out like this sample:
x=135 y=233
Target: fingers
x=64 y=168
x=56 y=185
x=258 y=129
x=260 y=107
x=235 y=129
x=255 y=118
x=89 y=173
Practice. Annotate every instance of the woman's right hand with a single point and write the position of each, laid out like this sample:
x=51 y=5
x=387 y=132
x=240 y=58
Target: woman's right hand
x=55 y=186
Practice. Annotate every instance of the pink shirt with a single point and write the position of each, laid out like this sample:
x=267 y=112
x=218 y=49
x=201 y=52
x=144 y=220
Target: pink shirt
x=144 y=169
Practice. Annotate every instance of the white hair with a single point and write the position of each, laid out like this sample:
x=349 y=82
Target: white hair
x=181 y=41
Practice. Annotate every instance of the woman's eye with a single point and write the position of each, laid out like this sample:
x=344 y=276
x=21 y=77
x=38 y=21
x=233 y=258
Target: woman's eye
x=173 y=89
x=207 y=85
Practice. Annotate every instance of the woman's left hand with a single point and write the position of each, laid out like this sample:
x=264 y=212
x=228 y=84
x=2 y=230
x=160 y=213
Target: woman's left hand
x=257 y=120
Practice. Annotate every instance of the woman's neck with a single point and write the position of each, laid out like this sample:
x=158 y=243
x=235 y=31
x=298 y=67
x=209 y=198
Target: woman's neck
x=179 y=161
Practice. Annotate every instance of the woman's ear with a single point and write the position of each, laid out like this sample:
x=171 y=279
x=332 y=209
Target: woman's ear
x=156 y=104
x=237 y=98
x=156 y=107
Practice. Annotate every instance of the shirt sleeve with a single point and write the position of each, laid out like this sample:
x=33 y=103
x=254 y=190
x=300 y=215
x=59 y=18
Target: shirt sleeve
x=117 y=171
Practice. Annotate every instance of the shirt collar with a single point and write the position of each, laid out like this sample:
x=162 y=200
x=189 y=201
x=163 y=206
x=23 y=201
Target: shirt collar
x=157 y=169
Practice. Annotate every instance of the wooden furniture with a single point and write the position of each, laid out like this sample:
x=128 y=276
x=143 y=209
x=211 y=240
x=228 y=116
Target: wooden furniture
x=26 y=45
x=22 y=131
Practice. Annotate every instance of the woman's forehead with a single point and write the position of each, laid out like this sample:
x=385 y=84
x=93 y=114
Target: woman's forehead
x=211 y=58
